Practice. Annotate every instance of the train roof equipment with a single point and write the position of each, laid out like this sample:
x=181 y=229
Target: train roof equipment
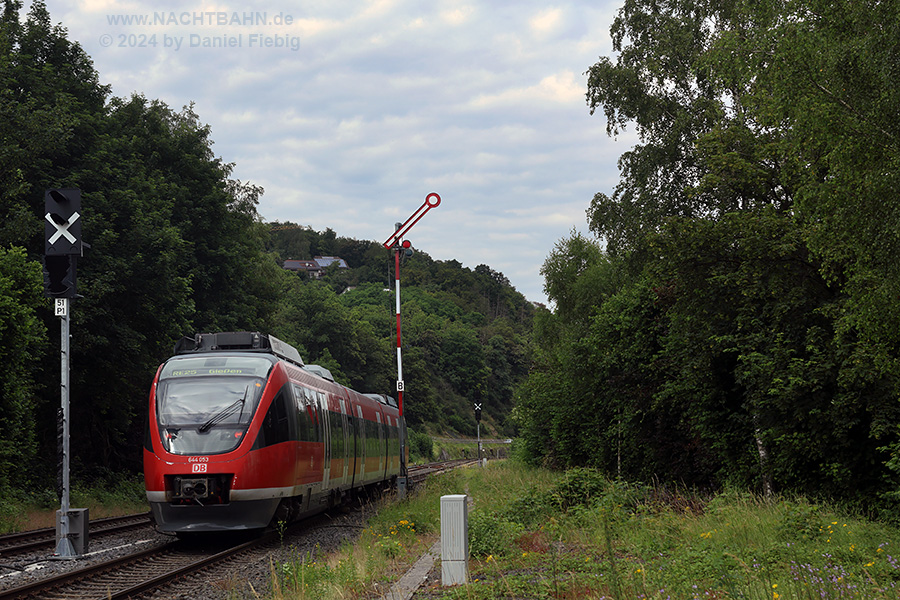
x=321 y=372
x=239 y=341
x=383 y=399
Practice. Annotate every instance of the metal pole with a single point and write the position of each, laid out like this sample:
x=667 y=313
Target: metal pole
x=400 y=385
x=480 y=463
x=64 y=548
x=401 y=483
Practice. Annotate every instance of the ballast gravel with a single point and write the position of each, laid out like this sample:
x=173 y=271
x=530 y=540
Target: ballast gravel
x=248 y=576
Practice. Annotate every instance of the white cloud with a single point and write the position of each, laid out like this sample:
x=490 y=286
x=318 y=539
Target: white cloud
x=106 y=5
x=310 y=28
x=457 y=16
x=559 y=88
x=546 y=22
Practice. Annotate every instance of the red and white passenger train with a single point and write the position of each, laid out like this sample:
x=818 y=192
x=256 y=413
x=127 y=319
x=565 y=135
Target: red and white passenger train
x=241 y=433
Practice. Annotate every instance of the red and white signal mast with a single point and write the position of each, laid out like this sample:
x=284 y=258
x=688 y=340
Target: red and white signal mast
x=398 y=245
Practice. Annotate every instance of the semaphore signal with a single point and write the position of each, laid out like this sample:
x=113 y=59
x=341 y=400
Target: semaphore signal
x=397 y=244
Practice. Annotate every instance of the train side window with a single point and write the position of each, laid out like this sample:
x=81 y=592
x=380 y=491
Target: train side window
x=337 y=434
x=393 y=439
x=304 y=422
x=372 y=441
x=319 y=432
x=276 y=426
x=307 y=414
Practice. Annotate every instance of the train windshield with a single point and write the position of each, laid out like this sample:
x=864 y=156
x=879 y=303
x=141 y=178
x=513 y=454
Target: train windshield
x=204 y=404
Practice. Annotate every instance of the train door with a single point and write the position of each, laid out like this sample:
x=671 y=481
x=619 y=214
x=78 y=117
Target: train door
x=345 y=433
x=322 y=404
x=305 y=425
x=338 y=444
x=363 y=443
x=353 y=430
x=382 y=449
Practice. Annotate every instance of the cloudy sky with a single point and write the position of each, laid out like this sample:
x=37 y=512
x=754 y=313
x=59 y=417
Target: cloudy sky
x=350 y=112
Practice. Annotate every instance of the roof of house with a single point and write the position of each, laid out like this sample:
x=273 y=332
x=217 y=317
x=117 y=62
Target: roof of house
x=300 y=265
x=326 y=261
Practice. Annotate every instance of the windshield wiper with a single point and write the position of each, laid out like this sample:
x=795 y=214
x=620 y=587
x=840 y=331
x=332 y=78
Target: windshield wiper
x=225 y=412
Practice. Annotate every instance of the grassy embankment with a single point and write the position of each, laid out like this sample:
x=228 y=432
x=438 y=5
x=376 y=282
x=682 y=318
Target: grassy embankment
x=536 y=534
x=22 y=511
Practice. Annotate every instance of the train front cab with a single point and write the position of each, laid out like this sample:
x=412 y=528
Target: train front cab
x=211 y=461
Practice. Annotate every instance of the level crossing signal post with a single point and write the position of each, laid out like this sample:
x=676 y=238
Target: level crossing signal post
x=62 y=247
x=399 y=246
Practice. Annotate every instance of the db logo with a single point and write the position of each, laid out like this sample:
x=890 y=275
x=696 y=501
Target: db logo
x=198 y=468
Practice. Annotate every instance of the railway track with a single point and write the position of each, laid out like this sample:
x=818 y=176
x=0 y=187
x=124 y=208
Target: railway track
x=418 y=473
x=134 y=574
x=13 y=544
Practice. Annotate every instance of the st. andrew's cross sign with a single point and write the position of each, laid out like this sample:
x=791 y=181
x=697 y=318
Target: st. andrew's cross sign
x=62 y=222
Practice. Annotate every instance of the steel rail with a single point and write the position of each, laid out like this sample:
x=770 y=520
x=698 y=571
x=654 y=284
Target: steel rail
x=121 y=573
x=23 y=541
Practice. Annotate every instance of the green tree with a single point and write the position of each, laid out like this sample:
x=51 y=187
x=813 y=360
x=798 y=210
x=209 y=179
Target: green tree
x=578 y=276
x=24 y=338
x=657 y=84
x=824 y=74
x=50 y=104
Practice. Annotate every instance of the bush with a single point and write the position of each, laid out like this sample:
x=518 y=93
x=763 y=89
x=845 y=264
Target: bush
x=421 y=446
x=580 y=487
x=491 y=534
x=10 y=515
x=799 y=519
x=461 y=425
x=532 y=508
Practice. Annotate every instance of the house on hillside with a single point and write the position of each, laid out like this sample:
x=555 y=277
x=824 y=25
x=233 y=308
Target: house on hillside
x=327 y=261
x=314 y=268
x=309 y=267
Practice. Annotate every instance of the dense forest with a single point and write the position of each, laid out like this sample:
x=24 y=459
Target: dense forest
x=176 y=247
x=735 y=318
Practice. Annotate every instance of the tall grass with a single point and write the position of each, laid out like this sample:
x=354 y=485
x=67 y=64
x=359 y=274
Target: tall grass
x=22 y=510
x=396 y=534
x=537 y=534
x=593 y=538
